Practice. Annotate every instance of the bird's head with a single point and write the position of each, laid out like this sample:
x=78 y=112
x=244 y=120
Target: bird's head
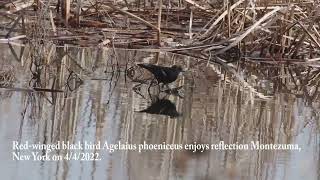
x=177 y=68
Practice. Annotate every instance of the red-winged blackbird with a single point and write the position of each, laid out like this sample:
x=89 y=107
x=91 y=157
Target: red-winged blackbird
x=163 y=74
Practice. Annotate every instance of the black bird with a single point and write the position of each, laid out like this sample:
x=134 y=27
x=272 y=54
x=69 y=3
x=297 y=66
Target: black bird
x=163 y=74
x=162 y=107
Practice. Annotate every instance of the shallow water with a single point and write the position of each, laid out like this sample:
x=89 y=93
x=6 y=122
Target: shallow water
x=212 y=107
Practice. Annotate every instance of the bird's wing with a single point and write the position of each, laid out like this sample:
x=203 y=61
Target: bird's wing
x=163 y=72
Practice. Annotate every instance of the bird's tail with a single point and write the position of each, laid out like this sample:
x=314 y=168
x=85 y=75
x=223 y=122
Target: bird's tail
x=149 y=67
x=142 y=65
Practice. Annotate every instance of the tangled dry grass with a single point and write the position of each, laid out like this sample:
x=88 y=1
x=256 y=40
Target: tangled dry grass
x=259 y=30
x=7 y=76
x=7 y=79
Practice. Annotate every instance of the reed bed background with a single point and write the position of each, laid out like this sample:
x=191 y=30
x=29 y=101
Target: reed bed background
x=218 y=30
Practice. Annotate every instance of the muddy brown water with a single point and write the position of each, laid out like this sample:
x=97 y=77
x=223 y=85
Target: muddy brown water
x=103 y=107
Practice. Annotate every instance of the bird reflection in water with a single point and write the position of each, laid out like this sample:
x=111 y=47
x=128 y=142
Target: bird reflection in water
x=162 y=107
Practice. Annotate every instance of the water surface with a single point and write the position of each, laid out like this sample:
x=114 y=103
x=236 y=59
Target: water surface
x=100 y=102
